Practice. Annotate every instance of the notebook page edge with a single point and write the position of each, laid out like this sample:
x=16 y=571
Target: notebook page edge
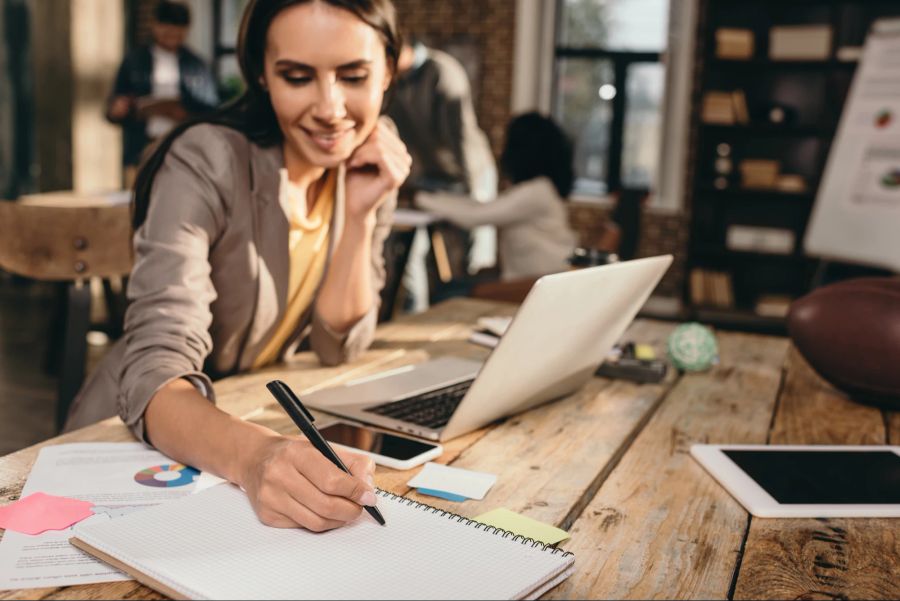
x=551 y=583
x=131 y=570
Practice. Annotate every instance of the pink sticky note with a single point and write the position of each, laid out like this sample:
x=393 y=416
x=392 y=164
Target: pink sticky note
x=38 y=513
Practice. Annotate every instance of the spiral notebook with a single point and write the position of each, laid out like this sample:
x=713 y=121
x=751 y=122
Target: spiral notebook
x=211 y=546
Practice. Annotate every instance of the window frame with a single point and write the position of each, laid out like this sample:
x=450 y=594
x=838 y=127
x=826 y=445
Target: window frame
x=534 y=77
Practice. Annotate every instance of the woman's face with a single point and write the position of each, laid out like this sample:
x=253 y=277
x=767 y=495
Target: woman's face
x=326 y=73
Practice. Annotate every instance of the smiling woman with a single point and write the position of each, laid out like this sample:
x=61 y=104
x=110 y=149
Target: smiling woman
x=255 y=228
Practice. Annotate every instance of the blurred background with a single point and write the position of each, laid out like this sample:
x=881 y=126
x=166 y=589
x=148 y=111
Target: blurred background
x=701 y=128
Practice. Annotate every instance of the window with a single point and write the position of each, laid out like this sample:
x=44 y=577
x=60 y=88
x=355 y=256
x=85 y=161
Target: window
x=226 y=22
x=607 y=89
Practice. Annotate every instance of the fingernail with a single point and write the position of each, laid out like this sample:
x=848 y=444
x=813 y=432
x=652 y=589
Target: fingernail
x=368 y=499
x=371 y=480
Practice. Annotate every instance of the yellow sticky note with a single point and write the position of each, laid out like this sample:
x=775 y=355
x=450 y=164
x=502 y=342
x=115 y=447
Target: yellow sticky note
x=519 y=524
x=644 y=352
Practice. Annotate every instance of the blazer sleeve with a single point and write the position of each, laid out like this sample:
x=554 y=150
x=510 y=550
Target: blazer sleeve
x=333 y=348
x=170 y=289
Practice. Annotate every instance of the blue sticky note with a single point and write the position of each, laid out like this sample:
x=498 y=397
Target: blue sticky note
x=441 y=494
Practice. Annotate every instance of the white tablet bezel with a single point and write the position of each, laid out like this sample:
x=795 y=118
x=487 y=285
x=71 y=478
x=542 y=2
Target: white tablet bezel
x=761 y=504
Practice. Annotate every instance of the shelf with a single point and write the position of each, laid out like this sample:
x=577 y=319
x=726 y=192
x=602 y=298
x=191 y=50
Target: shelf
x=740 y=319
x=753 y=193
x=769 y=130
x=719 y=252
x=765 y=64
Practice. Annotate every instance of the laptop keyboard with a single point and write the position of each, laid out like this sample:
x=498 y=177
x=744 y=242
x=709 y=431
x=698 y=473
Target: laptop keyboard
x=431 y=409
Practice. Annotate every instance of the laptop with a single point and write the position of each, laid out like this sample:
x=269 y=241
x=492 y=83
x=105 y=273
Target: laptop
x=559 y=336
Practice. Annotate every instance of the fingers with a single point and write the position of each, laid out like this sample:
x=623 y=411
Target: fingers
x=329 y=479
x=293 y=485
x=306 y=495
x=383 y=150
x=287 y=513
x=360 y=466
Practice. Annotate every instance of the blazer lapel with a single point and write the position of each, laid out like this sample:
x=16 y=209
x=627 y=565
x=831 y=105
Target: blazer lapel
x=270 y=234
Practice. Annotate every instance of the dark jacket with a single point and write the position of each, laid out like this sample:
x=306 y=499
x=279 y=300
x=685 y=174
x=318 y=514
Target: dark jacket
x=197 y=86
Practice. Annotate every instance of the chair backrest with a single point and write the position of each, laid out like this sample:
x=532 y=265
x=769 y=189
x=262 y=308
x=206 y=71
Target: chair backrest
x=65 y=242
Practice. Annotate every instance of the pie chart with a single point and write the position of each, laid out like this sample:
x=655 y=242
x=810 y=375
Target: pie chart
x=168 y=475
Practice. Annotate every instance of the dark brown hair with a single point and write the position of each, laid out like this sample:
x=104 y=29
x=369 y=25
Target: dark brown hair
x=251 y=113
x=536 y=146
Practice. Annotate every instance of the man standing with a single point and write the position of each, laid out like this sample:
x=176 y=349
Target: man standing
x=159 y=85
x=431 y=103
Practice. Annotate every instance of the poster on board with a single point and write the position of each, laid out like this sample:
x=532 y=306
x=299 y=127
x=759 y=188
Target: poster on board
x=856 y=217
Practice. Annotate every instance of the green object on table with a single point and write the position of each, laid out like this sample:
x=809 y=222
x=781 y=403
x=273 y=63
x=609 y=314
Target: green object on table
x=692 y=347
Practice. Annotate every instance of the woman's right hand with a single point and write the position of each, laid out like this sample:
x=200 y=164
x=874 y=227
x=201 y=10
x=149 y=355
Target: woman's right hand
x=290 y=484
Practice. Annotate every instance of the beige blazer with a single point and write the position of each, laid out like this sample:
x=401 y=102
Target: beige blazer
x=209 y=282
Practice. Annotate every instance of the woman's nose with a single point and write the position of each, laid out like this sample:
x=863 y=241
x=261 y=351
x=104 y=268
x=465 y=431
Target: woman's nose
x=330 y=105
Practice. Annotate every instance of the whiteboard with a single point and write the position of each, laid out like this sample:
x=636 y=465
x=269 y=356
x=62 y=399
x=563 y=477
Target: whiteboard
x=856 y=217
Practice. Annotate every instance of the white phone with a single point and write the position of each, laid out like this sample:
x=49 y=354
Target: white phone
x=386 y=448
x=815 y=481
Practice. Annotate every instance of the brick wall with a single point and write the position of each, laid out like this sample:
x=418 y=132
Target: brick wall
x=660 y=234
x=481 y=33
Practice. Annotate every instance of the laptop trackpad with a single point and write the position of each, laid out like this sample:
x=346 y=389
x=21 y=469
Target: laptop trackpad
x=395 y=383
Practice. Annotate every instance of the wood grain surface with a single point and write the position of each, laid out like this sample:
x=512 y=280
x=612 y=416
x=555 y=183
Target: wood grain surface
x=610 y=464
x=821 y=558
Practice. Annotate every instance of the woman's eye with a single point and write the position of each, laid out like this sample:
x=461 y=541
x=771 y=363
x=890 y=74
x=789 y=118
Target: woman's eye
x=297 y=80
x=355 y=79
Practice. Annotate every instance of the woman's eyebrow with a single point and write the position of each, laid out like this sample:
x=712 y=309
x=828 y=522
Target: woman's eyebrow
x=290 y=64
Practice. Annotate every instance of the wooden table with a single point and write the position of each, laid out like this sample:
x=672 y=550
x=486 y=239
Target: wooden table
x=610 y=464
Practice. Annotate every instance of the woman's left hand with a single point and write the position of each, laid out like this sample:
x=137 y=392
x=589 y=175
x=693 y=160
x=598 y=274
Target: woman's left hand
x=378 y=167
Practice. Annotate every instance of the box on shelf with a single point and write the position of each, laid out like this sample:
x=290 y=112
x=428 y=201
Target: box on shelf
x=800 y=42
x=791 y=182
x=773 y=305
x=739 y=103
x=734 y=44
x=759 y=173
x=718 y=108
x=711 y=288
x=849 y=54
x=749 y=238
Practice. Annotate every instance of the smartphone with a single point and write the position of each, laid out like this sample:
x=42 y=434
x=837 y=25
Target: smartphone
x=386 y=448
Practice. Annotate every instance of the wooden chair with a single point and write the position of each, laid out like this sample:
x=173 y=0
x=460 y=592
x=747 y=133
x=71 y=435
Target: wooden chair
x=67 y=244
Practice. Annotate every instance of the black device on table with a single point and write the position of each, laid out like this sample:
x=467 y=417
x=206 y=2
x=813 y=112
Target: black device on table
x=629 y=367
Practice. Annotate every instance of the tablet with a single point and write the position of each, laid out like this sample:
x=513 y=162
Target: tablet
x=784 y=481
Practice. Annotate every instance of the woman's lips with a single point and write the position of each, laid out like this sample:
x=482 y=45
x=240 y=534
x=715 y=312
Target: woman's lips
x=327 y=141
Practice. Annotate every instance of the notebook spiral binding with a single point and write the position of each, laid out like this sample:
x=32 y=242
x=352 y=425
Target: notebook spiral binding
x=477 y=525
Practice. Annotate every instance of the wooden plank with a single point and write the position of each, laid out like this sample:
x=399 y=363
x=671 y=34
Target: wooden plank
x=821 y=558
x=660 y=526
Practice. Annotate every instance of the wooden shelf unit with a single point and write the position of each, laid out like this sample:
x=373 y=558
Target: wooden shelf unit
x=813 y=93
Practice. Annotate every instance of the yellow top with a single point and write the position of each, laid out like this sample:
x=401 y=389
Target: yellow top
x=308 y=245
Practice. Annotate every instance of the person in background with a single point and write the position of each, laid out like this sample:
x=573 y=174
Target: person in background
x=535 y=235
x=431 y=103
x=159 y=85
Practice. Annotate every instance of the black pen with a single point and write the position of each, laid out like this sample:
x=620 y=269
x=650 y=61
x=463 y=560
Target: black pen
x=304 y=420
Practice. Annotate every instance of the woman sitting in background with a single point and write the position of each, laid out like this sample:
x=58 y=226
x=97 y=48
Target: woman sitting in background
x=534 y=231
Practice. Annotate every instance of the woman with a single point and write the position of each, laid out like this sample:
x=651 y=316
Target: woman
x=534 y=231
x=253 y=229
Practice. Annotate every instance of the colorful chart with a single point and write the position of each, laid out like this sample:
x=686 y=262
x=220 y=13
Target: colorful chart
x=168 y=475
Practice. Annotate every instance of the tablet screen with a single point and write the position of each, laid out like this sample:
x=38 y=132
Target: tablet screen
x=823 y=477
